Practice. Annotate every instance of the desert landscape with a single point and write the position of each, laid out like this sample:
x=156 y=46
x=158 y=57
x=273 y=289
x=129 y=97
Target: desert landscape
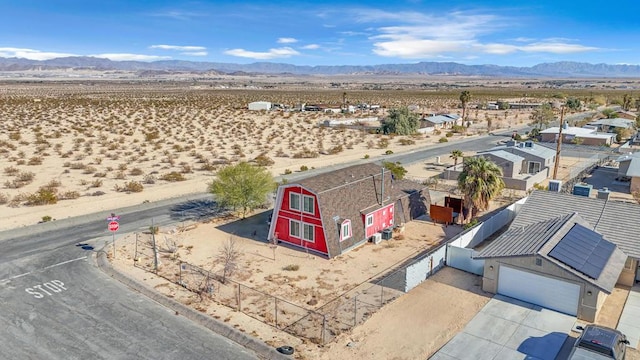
x=69 y=148
x=64 y=145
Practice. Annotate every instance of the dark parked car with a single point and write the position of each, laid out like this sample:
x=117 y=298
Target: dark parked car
x=599 y=342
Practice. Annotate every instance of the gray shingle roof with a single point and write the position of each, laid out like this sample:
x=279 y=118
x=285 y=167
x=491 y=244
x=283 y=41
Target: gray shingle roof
x=618 y=222
x=351 y=192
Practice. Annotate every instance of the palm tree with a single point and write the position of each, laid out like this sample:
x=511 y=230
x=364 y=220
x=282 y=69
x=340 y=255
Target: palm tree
x=480 y=181
x=465 y=96
x=455 y=155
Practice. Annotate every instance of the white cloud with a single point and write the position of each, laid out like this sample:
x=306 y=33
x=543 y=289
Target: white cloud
x=178 y=47
x=287 y=40
x=195 y=53
x=424 y=36
x=131 y=57
x=283 y=52
x=311 y=47
x=31 y=54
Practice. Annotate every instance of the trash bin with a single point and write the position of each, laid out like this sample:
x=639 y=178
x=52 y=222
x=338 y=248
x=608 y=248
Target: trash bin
x=387 y=234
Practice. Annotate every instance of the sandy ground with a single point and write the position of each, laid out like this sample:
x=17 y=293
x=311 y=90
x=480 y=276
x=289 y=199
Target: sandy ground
x=413 y=326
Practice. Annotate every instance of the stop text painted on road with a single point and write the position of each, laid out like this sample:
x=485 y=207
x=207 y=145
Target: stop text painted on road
x=49 y=288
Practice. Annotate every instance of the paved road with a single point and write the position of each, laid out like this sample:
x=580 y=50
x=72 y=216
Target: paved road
x=56 y=304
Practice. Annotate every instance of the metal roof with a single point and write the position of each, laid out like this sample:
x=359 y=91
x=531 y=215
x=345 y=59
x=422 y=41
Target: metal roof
x=618 y=222
x=534 y=149
x=524 y=240
x=584 y=250
x=504 y=155
x=617 y=122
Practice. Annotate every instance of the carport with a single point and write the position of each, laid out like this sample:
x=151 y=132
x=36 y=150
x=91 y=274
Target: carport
x=507 y=328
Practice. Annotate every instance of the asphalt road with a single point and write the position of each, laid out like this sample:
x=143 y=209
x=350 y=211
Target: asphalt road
x=56 y=304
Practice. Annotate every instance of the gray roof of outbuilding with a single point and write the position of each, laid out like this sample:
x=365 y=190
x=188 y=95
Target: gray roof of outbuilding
x=618 y=222
x=535 y=149
x=617 y=122
x=504 y=155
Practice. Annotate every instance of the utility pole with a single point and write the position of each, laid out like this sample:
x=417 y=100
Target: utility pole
x=559 y=142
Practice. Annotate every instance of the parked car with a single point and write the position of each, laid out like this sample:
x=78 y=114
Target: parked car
x=599 y=342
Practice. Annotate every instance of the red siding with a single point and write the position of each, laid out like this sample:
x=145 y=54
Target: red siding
x=382 y=219
x=285 y=214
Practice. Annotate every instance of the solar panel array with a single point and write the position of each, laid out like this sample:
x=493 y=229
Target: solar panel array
x=584 y=250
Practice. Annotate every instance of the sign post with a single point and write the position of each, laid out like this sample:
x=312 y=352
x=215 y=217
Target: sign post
x=113 y=226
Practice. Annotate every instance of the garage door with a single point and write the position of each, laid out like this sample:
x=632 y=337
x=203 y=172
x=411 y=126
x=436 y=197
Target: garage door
x=536 y=289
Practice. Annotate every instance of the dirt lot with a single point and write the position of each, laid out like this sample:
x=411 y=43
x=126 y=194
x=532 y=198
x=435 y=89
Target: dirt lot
x=422 y=320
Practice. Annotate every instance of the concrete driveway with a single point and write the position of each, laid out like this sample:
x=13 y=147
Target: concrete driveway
x=629 y=324
x=509 y=329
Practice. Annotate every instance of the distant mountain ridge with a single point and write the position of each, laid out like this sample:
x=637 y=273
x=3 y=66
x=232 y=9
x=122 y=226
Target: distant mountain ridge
x=557 y=69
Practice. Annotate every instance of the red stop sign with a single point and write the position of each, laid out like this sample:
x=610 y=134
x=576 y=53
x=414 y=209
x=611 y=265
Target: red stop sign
x=113 y=226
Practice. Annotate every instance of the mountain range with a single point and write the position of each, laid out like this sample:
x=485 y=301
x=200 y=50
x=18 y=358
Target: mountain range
x=565 y=69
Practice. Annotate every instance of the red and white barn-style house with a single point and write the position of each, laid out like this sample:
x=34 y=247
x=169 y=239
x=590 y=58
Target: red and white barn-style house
x=334 y=212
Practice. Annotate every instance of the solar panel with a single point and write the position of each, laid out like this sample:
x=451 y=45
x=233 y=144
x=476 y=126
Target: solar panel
x=584 y=250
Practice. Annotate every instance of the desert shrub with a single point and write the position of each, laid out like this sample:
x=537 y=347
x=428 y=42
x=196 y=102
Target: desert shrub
x=42 y=197
x=366 y=156
x=470 y=224
x=306 y=154
x=449 y=134
x=100 y=175
x=304 y=168
x=131 y=186
x=186 y=169
x=263 y=160
x=443 y=140
x=46 y=218
x=11 y=170
x=96 y=183
x=287 y=171
x=89 y=170
x=149 y=179
x=291 y=267
x=173 y=177
x=68 y=195
x=120 y=175
x=136 y=171
x=336 y=150
x=406 y=141
x=77 y=166
x=36 y=160
x=4 y=198
x=383 y=143
x=388 y=152
x=15 y=136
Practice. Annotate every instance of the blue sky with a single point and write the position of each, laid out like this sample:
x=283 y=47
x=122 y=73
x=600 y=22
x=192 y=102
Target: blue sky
x=518 y=33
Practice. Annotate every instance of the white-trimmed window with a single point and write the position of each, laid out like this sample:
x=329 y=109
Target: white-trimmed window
x=345 y=230
x=308 y=204
x=369 y=221
x=294 y=201
x=534 y=167
x=308 y=232
x=294 y=228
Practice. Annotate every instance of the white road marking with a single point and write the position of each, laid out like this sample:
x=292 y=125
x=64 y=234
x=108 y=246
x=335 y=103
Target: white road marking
x=6 y=280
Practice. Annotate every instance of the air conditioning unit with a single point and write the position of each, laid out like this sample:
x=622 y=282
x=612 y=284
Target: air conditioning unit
x=555 y=185
x=376 y=238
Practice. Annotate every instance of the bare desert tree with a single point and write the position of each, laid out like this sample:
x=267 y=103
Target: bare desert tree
x=229 y=255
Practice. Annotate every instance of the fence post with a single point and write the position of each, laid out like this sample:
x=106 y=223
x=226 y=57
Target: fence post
x=239 y=297
x=135 y=255
x=324 y=329
x=276 y=302
x=355 y=311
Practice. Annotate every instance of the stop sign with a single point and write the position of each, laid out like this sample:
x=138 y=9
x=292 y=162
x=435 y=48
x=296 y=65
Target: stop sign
x=113 y=226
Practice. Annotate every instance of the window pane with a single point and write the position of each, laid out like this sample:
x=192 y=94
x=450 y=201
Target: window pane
x=308 y=232
x=294 y=228
x=294 y=201
x=308 y=204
